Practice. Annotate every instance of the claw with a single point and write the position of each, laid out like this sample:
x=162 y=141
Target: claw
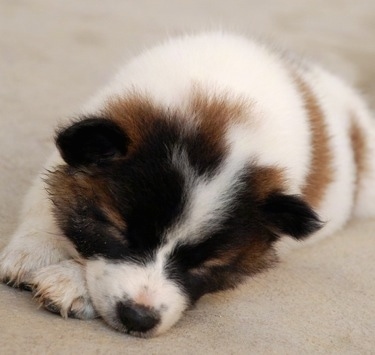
x=72 y=314
x=50 y=306
x=9 y=282
x=26 y=286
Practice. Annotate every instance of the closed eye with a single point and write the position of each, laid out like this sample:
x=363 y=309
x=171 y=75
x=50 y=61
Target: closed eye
x=193 y=256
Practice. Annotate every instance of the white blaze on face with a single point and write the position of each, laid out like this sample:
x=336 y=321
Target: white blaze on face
x=209 y=199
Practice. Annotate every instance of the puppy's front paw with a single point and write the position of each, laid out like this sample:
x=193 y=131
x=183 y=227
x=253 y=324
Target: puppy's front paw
x=18 y=261
x=16 y=267
x=61 y=289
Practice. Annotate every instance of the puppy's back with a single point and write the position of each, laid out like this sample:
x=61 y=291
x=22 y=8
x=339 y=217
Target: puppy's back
x=297 y=116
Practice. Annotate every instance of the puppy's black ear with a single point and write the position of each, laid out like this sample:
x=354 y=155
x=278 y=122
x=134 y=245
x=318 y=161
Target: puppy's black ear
x=91 y=141
x=289 y=214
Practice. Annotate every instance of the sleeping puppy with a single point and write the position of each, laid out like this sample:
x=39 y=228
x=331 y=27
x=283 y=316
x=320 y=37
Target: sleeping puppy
x=198 y=165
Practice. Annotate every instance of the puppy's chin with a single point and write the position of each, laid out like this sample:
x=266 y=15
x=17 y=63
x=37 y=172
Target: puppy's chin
x=135 y=299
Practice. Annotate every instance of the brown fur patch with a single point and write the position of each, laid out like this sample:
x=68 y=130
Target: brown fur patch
x=133 y=114
x=265 y=180
x=359 y=147
x=208 y=115
x=225 y=258
x=321 y=169
x=257 y=257
x=66 y=186
x=246 y=260
x=251 y=258
x=215 y=113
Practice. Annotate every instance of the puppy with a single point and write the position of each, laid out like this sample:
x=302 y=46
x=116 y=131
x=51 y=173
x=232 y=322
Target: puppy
x=198 y=165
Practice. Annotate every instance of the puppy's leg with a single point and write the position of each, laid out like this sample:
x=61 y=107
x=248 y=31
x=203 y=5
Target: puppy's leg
x=61 y=288
x=36 y=243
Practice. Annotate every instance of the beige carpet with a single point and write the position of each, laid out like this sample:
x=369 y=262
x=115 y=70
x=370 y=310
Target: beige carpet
x=54 y=54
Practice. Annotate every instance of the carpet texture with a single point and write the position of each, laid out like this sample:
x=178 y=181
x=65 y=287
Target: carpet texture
x=55 y=54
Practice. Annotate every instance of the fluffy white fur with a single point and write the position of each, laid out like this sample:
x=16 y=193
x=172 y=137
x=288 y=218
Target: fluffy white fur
x=218 y=63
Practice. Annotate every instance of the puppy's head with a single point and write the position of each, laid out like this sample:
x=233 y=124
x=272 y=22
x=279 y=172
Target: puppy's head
x=167 y=206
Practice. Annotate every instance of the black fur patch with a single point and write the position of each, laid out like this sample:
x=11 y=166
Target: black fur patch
x=289 y=214
x=146 y=189
x=91 y=140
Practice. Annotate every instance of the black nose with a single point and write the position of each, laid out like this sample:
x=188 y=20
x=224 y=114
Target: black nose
x=137 y=317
